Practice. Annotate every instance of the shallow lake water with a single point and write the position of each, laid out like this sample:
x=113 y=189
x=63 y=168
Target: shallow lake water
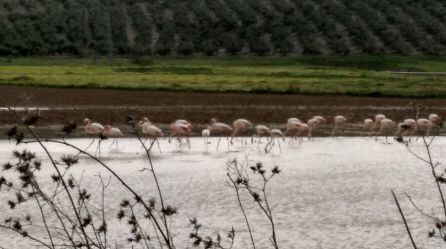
x=331 y=193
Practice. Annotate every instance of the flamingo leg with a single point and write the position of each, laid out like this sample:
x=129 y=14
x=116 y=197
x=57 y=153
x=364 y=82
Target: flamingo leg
x=258 y=142
x=227 y=141
x=158 y=143
x=188 y=142
x=267 y=145
x=98 y=149
x=92 y=142
x=234 y=133
x=113 y=141
x=334 y=130
x=218 y=143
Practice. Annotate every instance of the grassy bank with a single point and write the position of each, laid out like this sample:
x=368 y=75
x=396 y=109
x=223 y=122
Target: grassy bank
x=362 y=75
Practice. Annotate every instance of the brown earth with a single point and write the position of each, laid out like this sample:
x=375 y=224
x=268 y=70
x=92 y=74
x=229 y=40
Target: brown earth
x=111 y=106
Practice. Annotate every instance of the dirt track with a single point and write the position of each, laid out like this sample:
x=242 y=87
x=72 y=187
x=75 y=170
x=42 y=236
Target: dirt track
x=111 y=106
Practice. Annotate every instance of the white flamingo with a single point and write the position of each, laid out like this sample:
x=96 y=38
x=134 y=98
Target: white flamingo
x=293 y=120
x=314 y=123
x=262 y=130
x=339 y=122
x=205 y=134
x=94 y=129
x=367 y=126
x=387 y=126
x=436 y=122
x=275 y=135
x=220 y=128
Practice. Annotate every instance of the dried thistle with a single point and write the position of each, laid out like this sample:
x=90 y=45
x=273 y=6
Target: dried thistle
x=275 y=170
x=121 y=214
x=169 y=210
x=69 y=160
x=125 y=203
x=7 y=166
x=83 y=195
x=11 y=204
x=12 y=132
x=19 y=138
x=31 y=118
x=69 y=128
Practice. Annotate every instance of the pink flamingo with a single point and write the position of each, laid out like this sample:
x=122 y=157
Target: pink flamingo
x=378 y=118
x=181 y=128
x=94 y=129
x=407 y=127
x=112 y=132
x=151 y=132
x=220 y=129
x=240 y=125
x=297 y=129
x=424 y=126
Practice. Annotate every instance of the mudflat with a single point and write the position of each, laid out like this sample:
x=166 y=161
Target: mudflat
x=60 y=105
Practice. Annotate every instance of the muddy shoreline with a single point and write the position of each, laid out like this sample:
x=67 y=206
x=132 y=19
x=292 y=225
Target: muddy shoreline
x=58 y=106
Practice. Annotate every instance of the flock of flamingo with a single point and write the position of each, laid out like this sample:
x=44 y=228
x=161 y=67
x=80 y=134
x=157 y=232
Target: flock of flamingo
x=297 y=129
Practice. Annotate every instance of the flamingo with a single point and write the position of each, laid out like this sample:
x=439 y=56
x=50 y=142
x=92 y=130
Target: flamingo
x=339 y=122
x=291 y=124
x=378 y=118
x=387 y=125
x=275 y=134
x=94 y=129
x=436 y=121
x=424 y=126
x=321 y=119
x=314 y=123
x=240 y=125
x=262 y=130
x=181 y=128
x=409 y=127
x=112 y=132
x=221 y=129
x=151 y=131
x=367 y=126
x=205 y=134
x=293 y=120
x=297 y=128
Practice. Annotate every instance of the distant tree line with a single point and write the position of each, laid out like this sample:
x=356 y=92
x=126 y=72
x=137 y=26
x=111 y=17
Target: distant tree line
x=211 y=27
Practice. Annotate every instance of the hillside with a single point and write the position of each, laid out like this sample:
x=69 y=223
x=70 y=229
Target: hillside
x=185 y=27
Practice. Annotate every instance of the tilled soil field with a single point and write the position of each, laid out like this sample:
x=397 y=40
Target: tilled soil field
x=59 y=106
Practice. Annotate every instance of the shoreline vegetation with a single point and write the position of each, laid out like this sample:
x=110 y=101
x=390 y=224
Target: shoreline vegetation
x=373 y=76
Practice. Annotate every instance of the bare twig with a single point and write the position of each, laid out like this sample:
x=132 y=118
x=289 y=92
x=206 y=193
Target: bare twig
x=405 y=222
